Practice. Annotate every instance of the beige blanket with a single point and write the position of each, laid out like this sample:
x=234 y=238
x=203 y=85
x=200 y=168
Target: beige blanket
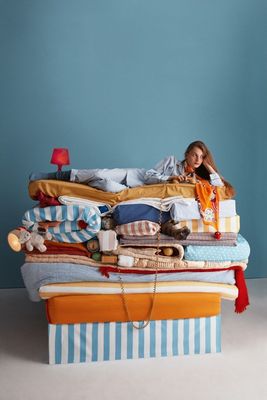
x=139 y=263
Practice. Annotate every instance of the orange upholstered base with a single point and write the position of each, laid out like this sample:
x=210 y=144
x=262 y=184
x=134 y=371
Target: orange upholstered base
x=107 y=308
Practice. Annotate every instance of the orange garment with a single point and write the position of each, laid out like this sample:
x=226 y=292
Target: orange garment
x=208 y=201
x=109 y=307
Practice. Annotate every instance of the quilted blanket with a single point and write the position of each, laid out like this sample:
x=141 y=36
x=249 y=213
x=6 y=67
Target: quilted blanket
x=219 y=253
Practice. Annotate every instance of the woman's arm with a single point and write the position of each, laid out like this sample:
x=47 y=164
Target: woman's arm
x=162 y=171
x=215 y=179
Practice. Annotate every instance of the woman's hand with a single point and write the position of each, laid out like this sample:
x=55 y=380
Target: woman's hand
x=179 y=178
x=208 y=166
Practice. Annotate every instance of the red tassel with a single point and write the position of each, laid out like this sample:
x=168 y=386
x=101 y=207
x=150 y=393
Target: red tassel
x=104 y=271
x=242 y=300
x=45 y=200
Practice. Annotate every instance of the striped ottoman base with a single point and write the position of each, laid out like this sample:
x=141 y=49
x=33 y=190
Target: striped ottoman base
x=77 y=343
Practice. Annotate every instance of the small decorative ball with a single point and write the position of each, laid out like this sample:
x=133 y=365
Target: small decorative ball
x=217 y=235
x=96 y=256
x=93 y=245
x=167 y=251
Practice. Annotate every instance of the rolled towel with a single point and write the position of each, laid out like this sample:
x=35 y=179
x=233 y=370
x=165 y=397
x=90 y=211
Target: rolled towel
x=125 y=261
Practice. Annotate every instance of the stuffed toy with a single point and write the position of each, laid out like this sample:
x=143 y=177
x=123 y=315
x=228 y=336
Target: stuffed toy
x=107 y=223
x=31 y=240
x=172 y=228
x=37 y=241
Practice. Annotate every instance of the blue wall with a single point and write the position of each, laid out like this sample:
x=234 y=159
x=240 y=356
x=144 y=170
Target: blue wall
x=125 y=83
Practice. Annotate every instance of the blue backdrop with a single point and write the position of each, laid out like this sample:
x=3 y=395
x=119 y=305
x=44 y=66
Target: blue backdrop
x=127 y=82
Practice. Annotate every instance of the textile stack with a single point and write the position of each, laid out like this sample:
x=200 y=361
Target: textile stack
x=133 y=274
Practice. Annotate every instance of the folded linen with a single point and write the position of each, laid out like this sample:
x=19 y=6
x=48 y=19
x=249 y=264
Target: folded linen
x=187 y=209
x=69 y=229
x=104 y=208
x=138 y=228
x=194 y=238
x=142 y=262
x=230 y=224
x=217 y=253
x=150 y=252
x=125 y=214
x=62 y=248
x=227 y=208
x=59 y=188
x=36 y=275
x=164 y=204
x=229 y=292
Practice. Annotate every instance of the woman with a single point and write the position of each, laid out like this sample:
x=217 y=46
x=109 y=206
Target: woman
x=197 y=164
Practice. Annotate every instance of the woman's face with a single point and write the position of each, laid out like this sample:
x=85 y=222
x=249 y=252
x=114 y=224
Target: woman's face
x=195 y=157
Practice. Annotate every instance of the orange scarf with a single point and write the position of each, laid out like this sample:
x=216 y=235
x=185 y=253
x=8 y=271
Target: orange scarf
x=208 y=202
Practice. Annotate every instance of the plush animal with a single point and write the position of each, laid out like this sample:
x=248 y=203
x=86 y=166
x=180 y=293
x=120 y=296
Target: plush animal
x=34 y=240
x=107 y=223
x=24 y=236
x=30 y=240
x=172 y=228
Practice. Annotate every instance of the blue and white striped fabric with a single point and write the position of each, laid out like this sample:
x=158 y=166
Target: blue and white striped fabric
x=88 y=342
x=68 y=230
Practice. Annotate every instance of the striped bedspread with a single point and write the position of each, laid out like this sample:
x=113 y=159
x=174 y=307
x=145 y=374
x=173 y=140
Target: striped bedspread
x=229 y=224
x=68 y=230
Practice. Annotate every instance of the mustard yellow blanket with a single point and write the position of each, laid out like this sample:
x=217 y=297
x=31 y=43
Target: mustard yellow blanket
x=56 y=188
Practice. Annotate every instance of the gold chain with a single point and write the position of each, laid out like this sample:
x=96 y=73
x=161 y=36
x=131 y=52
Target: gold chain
x=145 y=323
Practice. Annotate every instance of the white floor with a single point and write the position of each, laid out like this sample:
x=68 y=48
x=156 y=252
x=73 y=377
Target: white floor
x=238 y=373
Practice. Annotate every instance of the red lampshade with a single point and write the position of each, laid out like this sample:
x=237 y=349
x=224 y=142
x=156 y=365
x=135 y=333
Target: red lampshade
x=60 y=157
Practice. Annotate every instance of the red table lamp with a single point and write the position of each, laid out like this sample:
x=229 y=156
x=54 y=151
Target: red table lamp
x=60 y=157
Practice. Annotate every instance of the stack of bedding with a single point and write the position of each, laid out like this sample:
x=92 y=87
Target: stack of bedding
x=107 y=266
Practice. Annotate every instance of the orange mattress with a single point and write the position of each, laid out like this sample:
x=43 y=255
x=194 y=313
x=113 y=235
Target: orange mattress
x=63 y=188
x=107 y=308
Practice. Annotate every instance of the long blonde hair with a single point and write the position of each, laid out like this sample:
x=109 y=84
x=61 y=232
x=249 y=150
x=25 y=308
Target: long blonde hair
x=202 y=170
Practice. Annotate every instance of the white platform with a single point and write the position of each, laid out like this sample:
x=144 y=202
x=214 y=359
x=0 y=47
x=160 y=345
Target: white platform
x=238 y=373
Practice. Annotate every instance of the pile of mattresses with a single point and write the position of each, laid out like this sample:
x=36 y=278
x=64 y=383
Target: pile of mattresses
x=115 y=286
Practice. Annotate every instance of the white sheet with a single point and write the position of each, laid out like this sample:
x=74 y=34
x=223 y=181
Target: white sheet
x=187 y=209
